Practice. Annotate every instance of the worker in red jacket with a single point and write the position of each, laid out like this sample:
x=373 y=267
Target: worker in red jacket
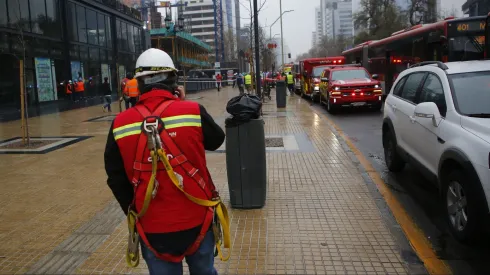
x=156 y=165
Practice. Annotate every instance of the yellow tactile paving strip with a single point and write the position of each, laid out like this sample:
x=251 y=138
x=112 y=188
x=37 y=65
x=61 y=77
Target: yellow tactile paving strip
x=319 y=217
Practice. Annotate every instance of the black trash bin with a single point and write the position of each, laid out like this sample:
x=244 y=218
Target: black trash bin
x=246 y=164
x=245 y=153
x=281 y=89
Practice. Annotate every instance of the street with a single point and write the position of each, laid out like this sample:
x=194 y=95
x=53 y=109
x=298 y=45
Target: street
x=417 y=195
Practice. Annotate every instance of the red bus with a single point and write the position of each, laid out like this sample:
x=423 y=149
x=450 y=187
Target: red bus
x=447 y=40
x=311 y=70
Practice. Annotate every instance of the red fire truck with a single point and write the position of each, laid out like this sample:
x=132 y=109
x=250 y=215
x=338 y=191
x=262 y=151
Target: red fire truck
x=311 y=70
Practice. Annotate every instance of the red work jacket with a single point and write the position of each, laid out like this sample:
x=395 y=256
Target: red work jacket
x=170 y=210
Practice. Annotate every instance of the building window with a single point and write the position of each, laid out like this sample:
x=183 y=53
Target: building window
x=38 y=15
x=19 y=14
x=52 y=24
x=101 y=29
x=72 y=22
x=82 y=25
x=3 y=13
x=108 y=28
x=92 y=27
x=131 y=38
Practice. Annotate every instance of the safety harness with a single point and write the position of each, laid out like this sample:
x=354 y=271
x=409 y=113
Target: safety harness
x=152 y=134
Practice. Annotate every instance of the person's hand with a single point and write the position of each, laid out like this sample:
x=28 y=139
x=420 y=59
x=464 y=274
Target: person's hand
x=180 y=92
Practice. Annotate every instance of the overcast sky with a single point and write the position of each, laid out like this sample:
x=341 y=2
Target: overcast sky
x=298 y=25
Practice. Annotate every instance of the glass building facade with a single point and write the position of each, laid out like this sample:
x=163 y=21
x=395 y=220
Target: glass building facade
x=63 y=40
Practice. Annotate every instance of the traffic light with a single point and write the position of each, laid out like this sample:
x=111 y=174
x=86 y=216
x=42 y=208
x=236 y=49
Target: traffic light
x=289 y=55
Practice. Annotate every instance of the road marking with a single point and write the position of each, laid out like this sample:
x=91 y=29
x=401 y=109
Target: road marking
x=414 y=234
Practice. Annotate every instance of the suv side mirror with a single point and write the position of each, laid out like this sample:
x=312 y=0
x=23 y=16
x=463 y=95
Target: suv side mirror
x=428 y=110
x=324 y=79
x=375 y=76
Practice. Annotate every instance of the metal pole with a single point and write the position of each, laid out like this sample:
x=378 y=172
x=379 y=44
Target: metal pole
x=282 y=38
x=257 y=51
x=22 y=99
x=119 y=93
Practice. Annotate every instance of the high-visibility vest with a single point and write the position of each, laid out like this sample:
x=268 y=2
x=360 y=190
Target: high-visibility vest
x=248 y=79
x=290 y=79
x=68 y=88
x=131 y=88
x=79 y=87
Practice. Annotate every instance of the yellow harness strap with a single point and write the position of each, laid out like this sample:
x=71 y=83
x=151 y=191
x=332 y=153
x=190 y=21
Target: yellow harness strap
x=132 y=253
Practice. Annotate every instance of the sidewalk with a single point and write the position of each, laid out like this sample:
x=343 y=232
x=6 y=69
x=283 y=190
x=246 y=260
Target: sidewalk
x=58 y=215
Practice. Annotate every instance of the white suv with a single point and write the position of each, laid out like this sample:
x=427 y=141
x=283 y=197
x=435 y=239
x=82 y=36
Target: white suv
x=437 y=118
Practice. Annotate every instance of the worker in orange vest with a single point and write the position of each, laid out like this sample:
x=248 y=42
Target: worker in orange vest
x=79 y=90
x=125 y=97
x=131 y=90
x=69 y=89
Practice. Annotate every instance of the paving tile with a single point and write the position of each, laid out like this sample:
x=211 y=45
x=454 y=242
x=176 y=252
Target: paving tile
x=319 y=216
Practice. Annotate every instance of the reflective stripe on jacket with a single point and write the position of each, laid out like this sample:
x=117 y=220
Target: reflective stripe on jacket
x=131 y=88
x=170 y=210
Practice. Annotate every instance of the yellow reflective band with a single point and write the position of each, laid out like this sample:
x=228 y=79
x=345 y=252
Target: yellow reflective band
x=126 y=126
x=184 y=124
x=181 y=117
x=126 y=134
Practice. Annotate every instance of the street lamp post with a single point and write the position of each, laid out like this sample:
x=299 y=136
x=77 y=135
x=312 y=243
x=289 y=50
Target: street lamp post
x=282 y=38
x=270 y=27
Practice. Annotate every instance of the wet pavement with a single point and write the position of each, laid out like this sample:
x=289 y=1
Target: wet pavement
x=322 y=215
x=418 y=196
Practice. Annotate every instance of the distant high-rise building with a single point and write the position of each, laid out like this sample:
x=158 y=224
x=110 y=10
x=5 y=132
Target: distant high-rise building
x=337 y=19
x=205 y=25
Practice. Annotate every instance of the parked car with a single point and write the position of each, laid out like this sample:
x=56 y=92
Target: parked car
x=437 y=118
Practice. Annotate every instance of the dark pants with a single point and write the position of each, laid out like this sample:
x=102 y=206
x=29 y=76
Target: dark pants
x=240 y=88
x=200 y=263
x=291 y=87
x=108 y=101
x=77 y=96
x=126 y=103
x=133 y=101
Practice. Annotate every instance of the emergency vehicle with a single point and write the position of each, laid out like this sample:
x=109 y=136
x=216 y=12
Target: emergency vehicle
x=349 y=86
x=311 y=70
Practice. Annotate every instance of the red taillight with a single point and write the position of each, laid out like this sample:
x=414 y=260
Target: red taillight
x=335 y=61
x=353 y=94
x=362 y=93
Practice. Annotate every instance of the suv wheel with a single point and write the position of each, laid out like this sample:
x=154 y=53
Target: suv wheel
x=332 y=109
x=463 y=207
x=393 y=160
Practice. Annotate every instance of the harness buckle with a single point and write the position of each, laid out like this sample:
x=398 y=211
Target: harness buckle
x=151 y=121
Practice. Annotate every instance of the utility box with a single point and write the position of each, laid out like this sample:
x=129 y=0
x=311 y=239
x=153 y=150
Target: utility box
x=246 y=164
x=281 y=89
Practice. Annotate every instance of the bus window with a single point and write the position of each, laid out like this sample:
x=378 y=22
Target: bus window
x=464 y=48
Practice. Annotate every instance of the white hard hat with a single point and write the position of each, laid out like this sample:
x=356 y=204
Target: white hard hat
x=154 y=61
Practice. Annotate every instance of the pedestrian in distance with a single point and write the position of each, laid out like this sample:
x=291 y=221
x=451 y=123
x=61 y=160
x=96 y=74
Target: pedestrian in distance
x=290 y=81
x=125 y=97
x=239 y=83
x=218 y=81
x=106 y=89
x=157 y=172
x=131 y=90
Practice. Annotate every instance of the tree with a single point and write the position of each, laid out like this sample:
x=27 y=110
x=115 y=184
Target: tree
x=230 y=49
x=379 y=19
x=422 y=11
